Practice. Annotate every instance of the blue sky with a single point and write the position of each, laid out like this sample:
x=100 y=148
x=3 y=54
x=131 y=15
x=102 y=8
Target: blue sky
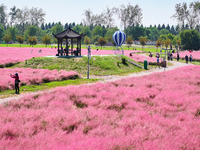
x=154 y=11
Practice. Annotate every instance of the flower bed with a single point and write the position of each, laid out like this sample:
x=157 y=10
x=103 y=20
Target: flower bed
x=159 y=111
x=29 y=76
x=12 y=55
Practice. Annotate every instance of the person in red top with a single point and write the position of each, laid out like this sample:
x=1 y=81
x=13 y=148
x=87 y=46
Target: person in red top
x=16 y=76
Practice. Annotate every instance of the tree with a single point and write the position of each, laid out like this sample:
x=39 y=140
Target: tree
x=31 y=31
x=86 y=30
x=46 y=39
x=129 y=15
x=158 y=43
x=171 y=38
x=102 y=41
x=77 y=28
x=37 y=16
x=7 y=38
x=23 y=17
x=188 y=14
x=3 y=15
x=143 y=41
x=42 y=26
x=190 y=39
x=86 y=40
x=57 y=29
x=13 y=14
x=167 y=42
x=32 y=40
x=108 y=17
x=66 y=25
x=88 y=17
x=1 y=31
x=20 y=39
x=13 y=32
x=129 y=41
x=98 y=30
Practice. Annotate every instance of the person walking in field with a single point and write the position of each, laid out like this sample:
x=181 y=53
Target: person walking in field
x=16 y=76
x=190 y=58
x=178 y=57
x=186 y=59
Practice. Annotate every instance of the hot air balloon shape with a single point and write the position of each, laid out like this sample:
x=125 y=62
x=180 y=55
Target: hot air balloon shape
x=119 y=38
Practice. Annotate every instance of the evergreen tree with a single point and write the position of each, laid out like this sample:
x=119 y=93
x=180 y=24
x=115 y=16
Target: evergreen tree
x=66 y=25
x=46 y=26
x=53 y=24
x=168 y=27
x=173 y=30
x=159 y=27
x=163 y=26
x=49 y=26
x=42 y=26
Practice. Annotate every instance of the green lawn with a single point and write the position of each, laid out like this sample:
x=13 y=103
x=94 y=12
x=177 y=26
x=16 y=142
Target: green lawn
x=107 y=65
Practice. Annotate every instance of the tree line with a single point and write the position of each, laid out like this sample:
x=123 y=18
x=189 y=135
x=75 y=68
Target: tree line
x=27 y=25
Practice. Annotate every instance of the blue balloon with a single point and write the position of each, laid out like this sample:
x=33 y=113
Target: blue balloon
x=119 y=38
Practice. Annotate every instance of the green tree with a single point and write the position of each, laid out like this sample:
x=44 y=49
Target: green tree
x=109 y=33
x=13 y=32
x=77 y=28
x=143 y=41
x=86 y=40
x=102 y=41
x=158 y=43
x=20 y=39
x=32 y=40
x=167 y=42
x=57 y=29
x=171 y=38
x=190 y=39
x=46 y=39
x=86 y=30
x=129 y=41
x=7 y=38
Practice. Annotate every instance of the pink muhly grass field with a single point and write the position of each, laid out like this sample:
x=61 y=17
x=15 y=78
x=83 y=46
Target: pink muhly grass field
x=29 y=76
x=159 y=111
x=16 y=54
x=141 y=58
x=182 y=54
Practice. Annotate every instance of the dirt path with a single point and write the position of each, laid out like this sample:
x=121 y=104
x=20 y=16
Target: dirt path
x=108 y=79
x=147 y=72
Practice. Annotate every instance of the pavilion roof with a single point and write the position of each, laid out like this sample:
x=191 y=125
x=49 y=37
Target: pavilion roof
x=68 y=33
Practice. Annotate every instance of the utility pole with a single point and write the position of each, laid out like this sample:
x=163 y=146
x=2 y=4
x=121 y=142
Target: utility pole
x=89 y=57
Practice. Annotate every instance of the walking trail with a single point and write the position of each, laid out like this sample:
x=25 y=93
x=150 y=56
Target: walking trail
x=109 y=78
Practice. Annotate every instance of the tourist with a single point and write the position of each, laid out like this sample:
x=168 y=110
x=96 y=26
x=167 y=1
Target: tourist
x=150 y=54
x=168 y=56
x=190 y=58
x=158 y=64
x=171 y=56
x=16 y=82
x=178 y=57
x=186 y=59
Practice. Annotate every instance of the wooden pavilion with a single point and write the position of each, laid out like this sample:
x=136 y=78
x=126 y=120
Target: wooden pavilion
x=66 y=36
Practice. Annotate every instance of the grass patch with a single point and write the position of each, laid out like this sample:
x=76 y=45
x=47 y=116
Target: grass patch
x=99 y=65
x=46 y=86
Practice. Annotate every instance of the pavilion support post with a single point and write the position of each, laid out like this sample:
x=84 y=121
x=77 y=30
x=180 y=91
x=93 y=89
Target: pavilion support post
x=67 y=49
x=72 y=47
x=58 y=46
